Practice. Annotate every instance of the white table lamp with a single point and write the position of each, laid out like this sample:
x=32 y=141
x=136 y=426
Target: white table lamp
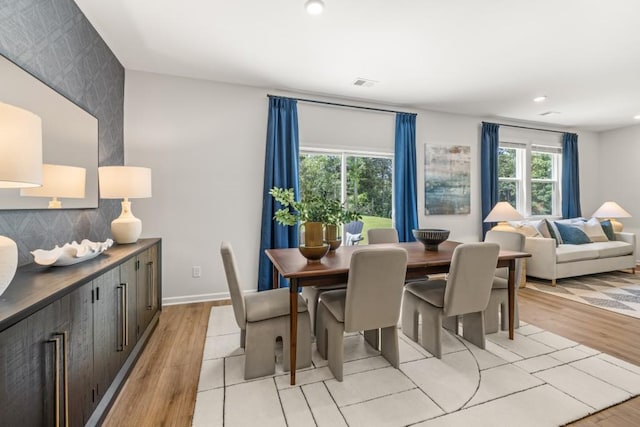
x=59 y=181
x=125 y=182
x=20 y=166
x=501 y=213
x=611 y=211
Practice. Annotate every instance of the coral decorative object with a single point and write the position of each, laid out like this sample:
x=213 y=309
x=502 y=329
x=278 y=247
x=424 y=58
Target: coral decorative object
x=71 y=253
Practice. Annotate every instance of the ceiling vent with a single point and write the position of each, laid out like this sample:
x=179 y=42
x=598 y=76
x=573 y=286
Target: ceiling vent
x=363 y=82
x=548 y=113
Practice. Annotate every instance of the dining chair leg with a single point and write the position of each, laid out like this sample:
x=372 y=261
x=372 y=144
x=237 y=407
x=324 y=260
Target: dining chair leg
x=243 y=337
x=410 y=316
x=473 y=328
x=335 y=346
x=431 y=329
x=303 y=347
x=389 y=345
x=260 y=348
x=372 y=336
x=321 y=331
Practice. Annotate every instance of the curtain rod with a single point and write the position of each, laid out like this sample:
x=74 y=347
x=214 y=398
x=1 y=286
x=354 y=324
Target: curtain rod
x=525 y=127
x=336 y=104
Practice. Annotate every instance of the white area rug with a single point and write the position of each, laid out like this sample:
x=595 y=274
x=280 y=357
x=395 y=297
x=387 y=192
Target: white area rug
x=616 y=291
x=538 y=379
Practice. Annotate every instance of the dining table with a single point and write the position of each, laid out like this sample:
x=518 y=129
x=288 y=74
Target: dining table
x=333 y=269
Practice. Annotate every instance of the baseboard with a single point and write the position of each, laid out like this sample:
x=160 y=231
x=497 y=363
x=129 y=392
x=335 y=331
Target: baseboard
x=189 y=299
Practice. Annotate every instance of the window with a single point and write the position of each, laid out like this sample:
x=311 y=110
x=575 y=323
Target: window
x=363 y=181
x=529 y=177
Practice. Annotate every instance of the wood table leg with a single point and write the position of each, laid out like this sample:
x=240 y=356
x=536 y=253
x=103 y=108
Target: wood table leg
x=293 y=329
x=512 y=295
x=275 y=278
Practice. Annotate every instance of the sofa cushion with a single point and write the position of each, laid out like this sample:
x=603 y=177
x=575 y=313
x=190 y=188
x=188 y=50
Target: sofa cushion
x=568 y=253
x=611 y=249
x=594 y=230
x=572 y=234
x=607 y=227
x=553 y=232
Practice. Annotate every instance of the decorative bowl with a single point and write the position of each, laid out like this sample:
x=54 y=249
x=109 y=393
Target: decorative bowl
x=431 y=237
x=314 y=253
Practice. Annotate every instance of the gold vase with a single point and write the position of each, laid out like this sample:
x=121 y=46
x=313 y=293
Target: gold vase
x=312 y=244
x=331 y=236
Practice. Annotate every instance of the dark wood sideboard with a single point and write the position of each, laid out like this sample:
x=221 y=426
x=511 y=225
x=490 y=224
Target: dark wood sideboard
x=70 y=335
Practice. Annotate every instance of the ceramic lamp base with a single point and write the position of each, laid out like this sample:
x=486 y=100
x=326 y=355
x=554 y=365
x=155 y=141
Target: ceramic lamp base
x=126 y=228
x=8 y=262
x=617 y=225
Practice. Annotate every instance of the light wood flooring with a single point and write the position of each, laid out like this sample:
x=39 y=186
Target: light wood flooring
x=161 y=389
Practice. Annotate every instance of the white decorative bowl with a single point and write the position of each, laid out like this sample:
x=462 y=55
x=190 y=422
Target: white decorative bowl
x=71 y=253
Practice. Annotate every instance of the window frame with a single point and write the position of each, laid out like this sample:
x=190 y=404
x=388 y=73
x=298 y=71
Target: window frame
x=343 y=167
x=524 y=149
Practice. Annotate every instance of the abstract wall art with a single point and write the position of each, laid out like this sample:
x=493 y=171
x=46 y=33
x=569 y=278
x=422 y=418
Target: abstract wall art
x=447 y=184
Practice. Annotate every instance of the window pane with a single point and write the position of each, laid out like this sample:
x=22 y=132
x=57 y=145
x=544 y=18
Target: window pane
x=369 y=181
x=541 y=198
x=541 y=165
x=320 y=176
x=507 y=162
x=507 y=192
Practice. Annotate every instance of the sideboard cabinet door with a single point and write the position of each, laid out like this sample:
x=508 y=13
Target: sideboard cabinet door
x=45 y=365
x=148 y=269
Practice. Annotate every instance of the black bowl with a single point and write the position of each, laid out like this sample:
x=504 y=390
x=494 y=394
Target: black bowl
x=431 y=237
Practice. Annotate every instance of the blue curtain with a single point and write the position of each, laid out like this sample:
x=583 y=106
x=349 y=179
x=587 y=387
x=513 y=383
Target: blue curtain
x=570 y=176
x=280 y=170
x=405 y=181
x=489 y=170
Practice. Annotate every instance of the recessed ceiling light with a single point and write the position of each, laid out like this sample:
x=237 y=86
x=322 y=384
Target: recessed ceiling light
x=314 y=7
x=637 y=117
x=539 y=98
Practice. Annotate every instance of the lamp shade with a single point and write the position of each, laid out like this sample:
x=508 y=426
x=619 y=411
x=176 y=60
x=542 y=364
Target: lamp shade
x=119 y=182
x=503 y=211
x=59 y=181
x=20 y=148
x=611 y=210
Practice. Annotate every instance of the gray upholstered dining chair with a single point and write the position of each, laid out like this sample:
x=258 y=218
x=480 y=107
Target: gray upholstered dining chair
x=499 y=299
x=263 y=317
x=382 y=235
x=371 y=301
x=464 y=293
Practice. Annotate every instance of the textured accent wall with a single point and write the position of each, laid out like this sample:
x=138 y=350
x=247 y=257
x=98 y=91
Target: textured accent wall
x=55 y=42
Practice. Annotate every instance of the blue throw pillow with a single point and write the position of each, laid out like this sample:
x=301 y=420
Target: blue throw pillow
x=572 y=235
x=608 y=229
x=553 y=231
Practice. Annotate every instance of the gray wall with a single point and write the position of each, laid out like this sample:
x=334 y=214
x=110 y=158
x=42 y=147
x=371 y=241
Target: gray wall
x=54 y=41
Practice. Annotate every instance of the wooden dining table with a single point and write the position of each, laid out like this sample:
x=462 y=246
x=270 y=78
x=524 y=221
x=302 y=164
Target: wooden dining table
x=334 y=269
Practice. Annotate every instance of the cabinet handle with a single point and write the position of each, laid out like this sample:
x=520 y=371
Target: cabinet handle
x=120 y=343
x=125 y=299
x=65 y=375
x=150 y=285
x=56 y=379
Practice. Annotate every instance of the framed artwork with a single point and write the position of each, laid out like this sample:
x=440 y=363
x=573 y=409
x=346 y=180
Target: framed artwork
x=447 y=183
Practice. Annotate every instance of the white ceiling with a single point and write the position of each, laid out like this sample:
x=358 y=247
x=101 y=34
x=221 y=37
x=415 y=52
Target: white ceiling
x=487 y=58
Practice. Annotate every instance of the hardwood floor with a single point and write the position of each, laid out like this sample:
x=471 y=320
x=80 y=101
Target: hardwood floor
x=161 y=389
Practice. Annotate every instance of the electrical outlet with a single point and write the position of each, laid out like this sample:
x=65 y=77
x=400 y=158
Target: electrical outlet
x=196 y=271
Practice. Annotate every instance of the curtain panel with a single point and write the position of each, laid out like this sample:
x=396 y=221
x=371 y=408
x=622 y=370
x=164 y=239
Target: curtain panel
x=489 y=171
x=405 y=192
x=570 y=177
x=280 y=170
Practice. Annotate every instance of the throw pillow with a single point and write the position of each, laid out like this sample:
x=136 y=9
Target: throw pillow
x=526 y=228
x=553 y=231
x=572 y=234
x=541 y=226
x=608 y=229
x=593 y=229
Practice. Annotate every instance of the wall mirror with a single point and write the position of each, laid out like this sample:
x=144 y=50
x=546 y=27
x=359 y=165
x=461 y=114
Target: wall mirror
x=69 y=135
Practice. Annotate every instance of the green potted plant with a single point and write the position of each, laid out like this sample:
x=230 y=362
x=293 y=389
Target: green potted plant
x=336 y=215
x=310 y=212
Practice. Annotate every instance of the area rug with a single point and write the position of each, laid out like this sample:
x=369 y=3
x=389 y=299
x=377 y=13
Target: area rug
x=617 y=291
x=538 y=379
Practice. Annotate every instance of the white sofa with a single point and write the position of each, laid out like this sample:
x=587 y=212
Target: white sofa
x=550 y=262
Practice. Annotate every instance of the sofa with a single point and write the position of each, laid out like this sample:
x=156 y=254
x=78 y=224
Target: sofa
x=596 y=249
